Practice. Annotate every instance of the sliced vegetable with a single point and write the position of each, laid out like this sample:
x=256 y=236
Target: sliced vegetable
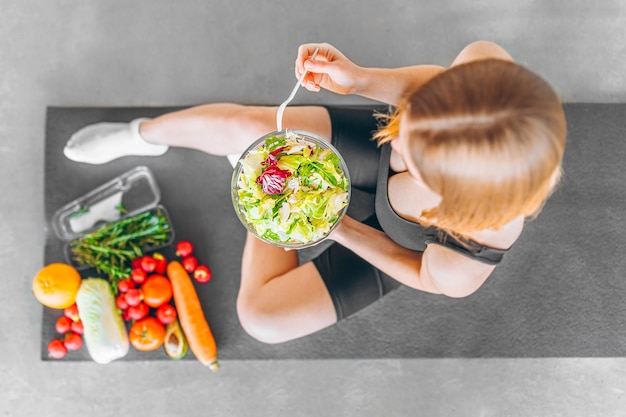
x=104 y=330
x=191 y=317
x=291 y=190
x=175 y=343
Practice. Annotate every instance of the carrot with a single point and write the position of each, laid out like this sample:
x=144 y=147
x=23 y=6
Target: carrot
x=191 y=316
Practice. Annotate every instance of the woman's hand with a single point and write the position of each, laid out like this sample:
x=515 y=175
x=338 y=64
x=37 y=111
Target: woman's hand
x=330 y=70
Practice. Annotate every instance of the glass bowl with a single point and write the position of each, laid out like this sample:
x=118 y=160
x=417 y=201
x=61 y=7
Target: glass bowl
x=296 y=197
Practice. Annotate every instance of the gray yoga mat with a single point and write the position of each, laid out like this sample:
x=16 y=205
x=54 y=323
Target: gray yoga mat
x=560 y=292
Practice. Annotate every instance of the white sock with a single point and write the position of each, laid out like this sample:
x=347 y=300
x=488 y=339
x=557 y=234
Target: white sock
x=233 y=158
x=103 y=142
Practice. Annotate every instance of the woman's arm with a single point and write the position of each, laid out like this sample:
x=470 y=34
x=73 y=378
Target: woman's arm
x=333 y=71
x=437 y=270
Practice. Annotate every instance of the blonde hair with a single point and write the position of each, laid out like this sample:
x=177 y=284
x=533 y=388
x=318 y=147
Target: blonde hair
x=488 y=136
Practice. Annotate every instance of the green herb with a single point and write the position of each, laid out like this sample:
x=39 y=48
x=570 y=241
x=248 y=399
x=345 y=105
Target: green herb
x=79 y=213
x=111 y=248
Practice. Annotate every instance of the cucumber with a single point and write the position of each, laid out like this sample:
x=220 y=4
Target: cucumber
x=175 y=343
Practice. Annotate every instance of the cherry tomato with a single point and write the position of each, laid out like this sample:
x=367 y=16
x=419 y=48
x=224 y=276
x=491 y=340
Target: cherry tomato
x=56 y=349
x=161 y=263
x=138 y=275
x=138 y=312
x=125 y=284
x=184 y=248
x=71 y=312
x=166 y=313
x=148 y=263
x=190 y=263
x=77 y=327
x=120 y=300
x=133 y=297
x=147 y=334
x=136 y=263
x=157 y=290
x=202 y=274
x=126 y=315
x=63 y=325
x=73 y=341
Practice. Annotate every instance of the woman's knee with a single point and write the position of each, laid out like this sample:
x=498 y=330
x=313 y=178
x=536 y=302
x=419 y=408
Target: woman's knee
x=257 y=323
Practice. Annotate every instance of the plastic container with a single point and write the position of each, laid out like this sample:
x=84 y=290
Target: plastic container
x=127 y=195
x=313 y=140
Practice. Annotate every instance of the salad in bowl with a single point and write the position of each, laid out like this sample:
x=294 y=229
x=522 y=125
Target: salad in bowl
x=291 y=188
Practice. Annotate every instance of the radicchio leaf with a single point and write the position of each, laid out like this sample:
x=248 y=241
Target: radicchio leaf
x=273 y=179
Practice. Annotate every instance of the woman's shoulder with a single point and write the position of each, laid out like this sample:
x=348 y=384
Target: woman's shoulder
x=458 y=275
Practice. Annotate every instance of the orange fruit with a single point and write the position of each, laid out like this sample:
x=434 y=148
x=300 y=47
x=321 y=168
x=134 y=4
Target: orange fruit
x=56 y=285
x=156 y=290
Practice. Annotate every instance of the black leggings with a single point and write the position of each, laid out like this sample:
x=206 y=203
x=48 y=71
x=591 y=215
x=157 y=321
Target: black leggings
x=352 y=282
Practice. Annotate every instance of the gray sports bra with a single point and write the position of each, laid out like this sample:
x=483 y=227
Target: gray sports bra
x=415 y=236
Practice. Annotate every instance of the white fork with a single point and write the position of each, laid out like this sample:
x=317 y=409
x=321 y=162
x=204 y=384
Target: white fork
x=281 y=109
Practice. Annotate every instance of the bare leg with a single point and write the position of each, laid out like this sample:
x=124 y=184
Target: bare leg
x=224 y=128
x=278 y=299
x=220 y=129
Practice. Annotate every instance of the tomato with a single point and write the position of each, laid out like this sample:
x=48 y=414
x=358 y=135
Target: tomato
x=71 y=312
x=147 y=334
x=77 y=327
x=138 y=312
x=136 y=263
x=166 y=313
x=161 y=263
x=190 y=263
x=120 y=300
x=56 y=349
x=138 y=275
x=125 y=284
x=202 y=273
x=156 y=290
x=148 y=263
x=133 y=297
x=184 y=248
x=73 y=341
x=63 y=324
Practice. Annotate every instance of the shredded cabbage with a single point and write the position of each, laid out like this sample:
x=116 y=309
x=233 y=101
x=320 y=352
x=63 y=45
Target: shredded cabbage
x=291 y=190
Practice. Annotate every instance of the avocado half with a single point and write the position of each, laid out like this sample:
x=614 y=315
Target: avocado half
x=175 y=343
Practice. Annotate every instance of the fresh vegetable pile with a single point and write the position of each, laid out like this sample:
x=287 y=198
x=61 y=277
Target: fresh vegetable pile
x=291 y=190
x=153 y=305
x=110 y=248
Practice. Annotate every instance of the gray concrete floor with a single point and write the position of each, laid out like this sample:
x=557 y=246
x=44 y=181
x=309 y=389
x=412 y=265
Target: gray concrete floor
x=157 y=52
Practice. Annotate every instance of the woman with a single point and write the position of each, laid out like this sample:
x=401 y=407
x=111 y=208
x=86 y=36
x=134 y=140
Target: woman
x=470 y=153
